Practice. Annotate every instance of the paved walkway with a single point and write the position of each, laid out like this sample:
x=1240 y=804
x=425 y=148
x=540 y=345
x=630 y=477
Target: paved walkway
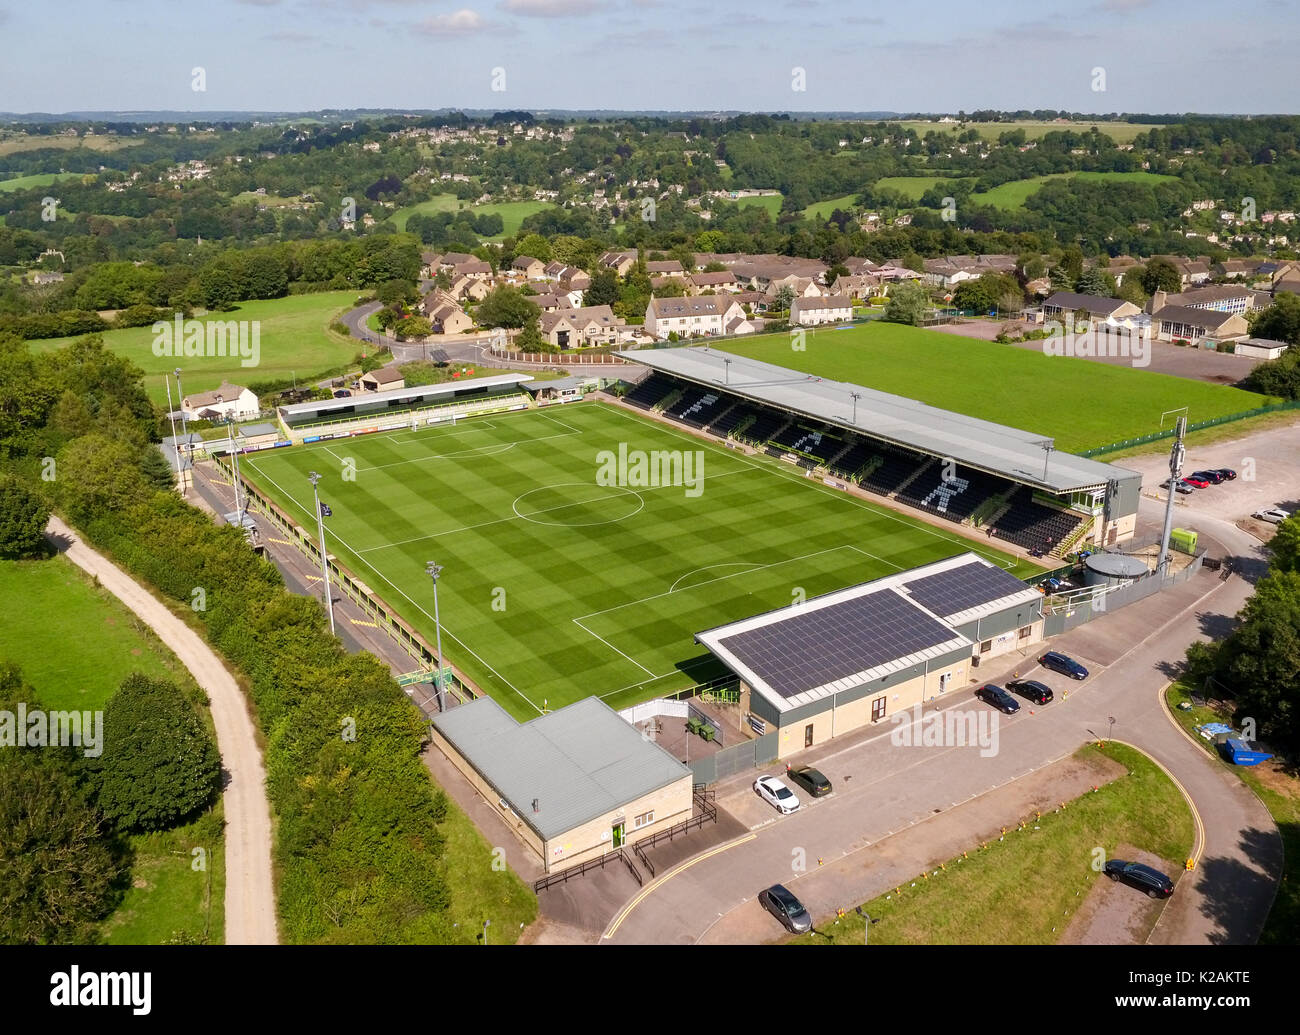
x=250 y=892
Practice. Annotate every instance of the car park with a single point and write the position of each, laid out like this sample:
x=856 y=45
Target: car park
x=993 y=694
x=777 y=794
x=1063 y=664
x=1136 y=875
x=811 y=780
x=1039 y=693
x=1273 y=515
x=778 y=901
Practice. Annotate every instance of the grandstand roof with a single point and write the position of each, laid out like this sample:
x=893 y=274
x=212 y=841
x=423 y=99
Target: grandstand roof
x=398 y=396
x=833 y=643
x=996 y=448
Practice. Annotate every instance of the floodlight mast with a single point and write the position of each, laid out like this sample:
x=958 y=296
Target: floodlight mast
x=433 y=570
x=324 y=558
x=1177 y=455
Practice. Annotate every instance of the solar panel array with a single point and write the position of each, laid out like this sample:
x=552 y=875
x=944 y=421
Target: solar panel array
x=817 y=646
x=948 y=592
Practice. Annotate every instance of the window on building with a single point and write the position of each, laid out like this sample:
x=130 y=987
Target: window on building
x=643 y=820
x=1025 y=631
x=986 y=646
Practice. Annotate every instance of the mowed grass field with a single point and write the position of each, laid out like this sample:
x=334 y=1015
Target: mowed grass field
x=556 y=588
x=512 y=213
x=295 y=342
x=1120 y=132
x=912 y=187
x=1014 y=194
x=821 y=210
x=770 y=203
x=35 y=180
x=1079 y=402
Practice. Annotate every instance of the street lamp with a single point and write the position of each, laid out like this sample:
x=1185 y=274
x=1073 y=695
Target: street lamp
x=234 y=459
x=324 y=559
x=180 y=398
x=171 y=416
x=486 y=925
x=1110 y=735
x=866 y=926
x=856 y=397
x=726 y=371
x=433 y=571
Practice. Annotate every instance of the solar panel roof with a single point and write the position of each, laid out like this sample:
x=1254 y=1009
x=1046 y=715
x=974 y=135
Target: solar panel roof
x=958 y=589
x=820 y=645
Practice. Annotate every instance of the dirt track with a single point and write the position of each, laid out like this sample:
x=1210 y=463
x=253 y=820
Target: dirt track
x=250 y=893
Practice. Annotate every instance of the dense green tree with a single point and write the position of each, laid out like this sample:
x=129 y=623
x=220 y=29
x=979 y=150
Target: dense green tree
x=604 y=289
x=160 y=764
x=907 y=303
x=22 y=520
x=1280 y=321
x=1096 y=281
x=505 y=306
x=1159 y=275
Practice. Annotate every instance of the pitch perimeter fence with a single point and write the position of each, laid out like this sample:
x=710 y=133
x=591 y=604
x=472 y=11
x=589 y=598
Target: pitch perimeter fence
x=1212 y=422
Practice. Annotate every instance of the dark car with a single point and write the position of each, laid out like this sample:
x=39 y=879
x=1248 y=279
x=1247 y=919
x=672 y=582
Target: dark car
x=786 y=908
x=1228 y=473
x=811 y=780
x=993 y=694
x=1067 y=666
x=1032 y=689
x=342 y=393
x=1214 y=477
x=1144 y=878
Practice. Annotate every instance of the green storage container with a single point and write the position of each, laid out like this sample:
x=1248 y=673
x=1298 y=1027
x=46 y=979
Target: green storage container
x=1183 y=540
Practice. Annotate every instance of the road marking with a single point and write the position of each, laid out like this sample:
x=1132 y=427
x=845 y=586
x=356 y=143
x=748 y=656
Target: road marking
x=282 y=542
x=654 y=885
x=362 y=621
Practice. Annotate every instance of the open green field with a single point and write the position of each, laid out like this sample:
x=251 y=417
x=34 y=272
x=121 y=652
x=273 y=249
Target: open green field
x=76 y=643
x=512 y=213
x=770 y=203
x=1080 y=403
x=39 y=142
x=295 y=341
x=822 y=210
x=1015 y=193
x=983 y=900
x=42 y=601
x=35 y=180
x=557 y=588
x=912 y=187
x=1120 y=132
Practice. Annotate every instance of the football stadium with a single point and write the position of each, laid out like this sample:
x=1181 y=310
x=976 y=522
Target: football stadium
x=584 y=547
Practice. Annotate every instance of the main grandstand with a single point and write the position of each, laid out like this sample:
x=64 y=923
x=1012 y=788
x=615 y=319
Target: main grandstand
x=1008 y=482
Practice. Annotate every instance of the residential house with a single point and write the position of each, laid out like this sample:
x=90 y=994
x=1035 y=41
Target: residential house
x=701 y=315
x=665 y=268
x=474 y=268
x=857 y=285
x=1237 y=269
x=225 y=402
x=549 y=303
x=469 y=287
x=803 y=287
x=620 y=262
x=1222 y=298
x=808 y=312
x=576 y=328
x=445 y=313
x=723 y=280
x=532 y=269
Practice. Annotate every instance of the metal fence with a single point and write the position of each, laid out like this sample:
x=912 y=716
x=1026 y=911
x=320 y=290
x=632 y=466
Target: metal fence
x=735 y=759
x=1212 y=422
x=1085 y=609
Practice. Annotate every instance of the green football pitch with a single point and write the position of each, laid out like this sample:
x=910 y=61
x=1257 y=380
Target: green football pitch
x=555 y=587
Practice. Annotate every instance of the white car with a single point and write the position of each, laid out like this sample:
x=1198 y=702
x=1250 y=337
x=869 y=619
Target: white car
x=1273 y=515
x=777 y=794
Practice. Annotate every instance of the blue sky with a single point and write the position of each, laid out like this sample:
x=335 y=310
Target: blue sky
x=1158 y=55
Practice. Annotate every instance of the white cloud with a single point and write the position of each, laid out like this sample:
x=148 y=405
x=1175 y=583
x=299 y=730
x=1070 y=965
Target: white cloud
x=458 y=23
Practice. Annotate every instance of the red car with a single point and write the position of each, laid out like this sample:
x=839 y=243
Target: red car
x=1200 y=483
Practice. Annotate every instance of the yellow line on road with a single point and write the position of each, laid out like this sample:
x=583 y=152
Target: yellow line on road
x=360 y=621
x=654 y=885
x=282 y=542
x=313 y=578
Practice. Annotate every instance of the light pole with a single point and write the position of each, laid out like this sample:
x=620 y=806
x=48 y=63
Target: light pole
x=171 y=416
x=486 y=925
x=726 y=371
x=856 y=397
x=1110 y=735
x=433 y=571
x=324 y=559
x=234 y=459
x=866 y=926
x=1048 y=445
x=180 y=398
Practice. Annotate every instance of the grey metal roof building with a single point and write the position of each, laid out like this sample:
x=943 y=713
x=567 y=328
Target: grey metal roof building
x=369 y=403
x=578 y=763
x=1000 y=450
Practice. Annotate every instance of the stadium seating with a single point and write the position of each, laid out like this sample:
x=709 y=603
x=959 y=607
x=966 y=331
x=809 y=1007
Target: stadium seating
x=955 y=499
x=650 y=391
x=696 y=407
x=818 y=444
x=853 y=459
x=1033 y=525
x=896 y=467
